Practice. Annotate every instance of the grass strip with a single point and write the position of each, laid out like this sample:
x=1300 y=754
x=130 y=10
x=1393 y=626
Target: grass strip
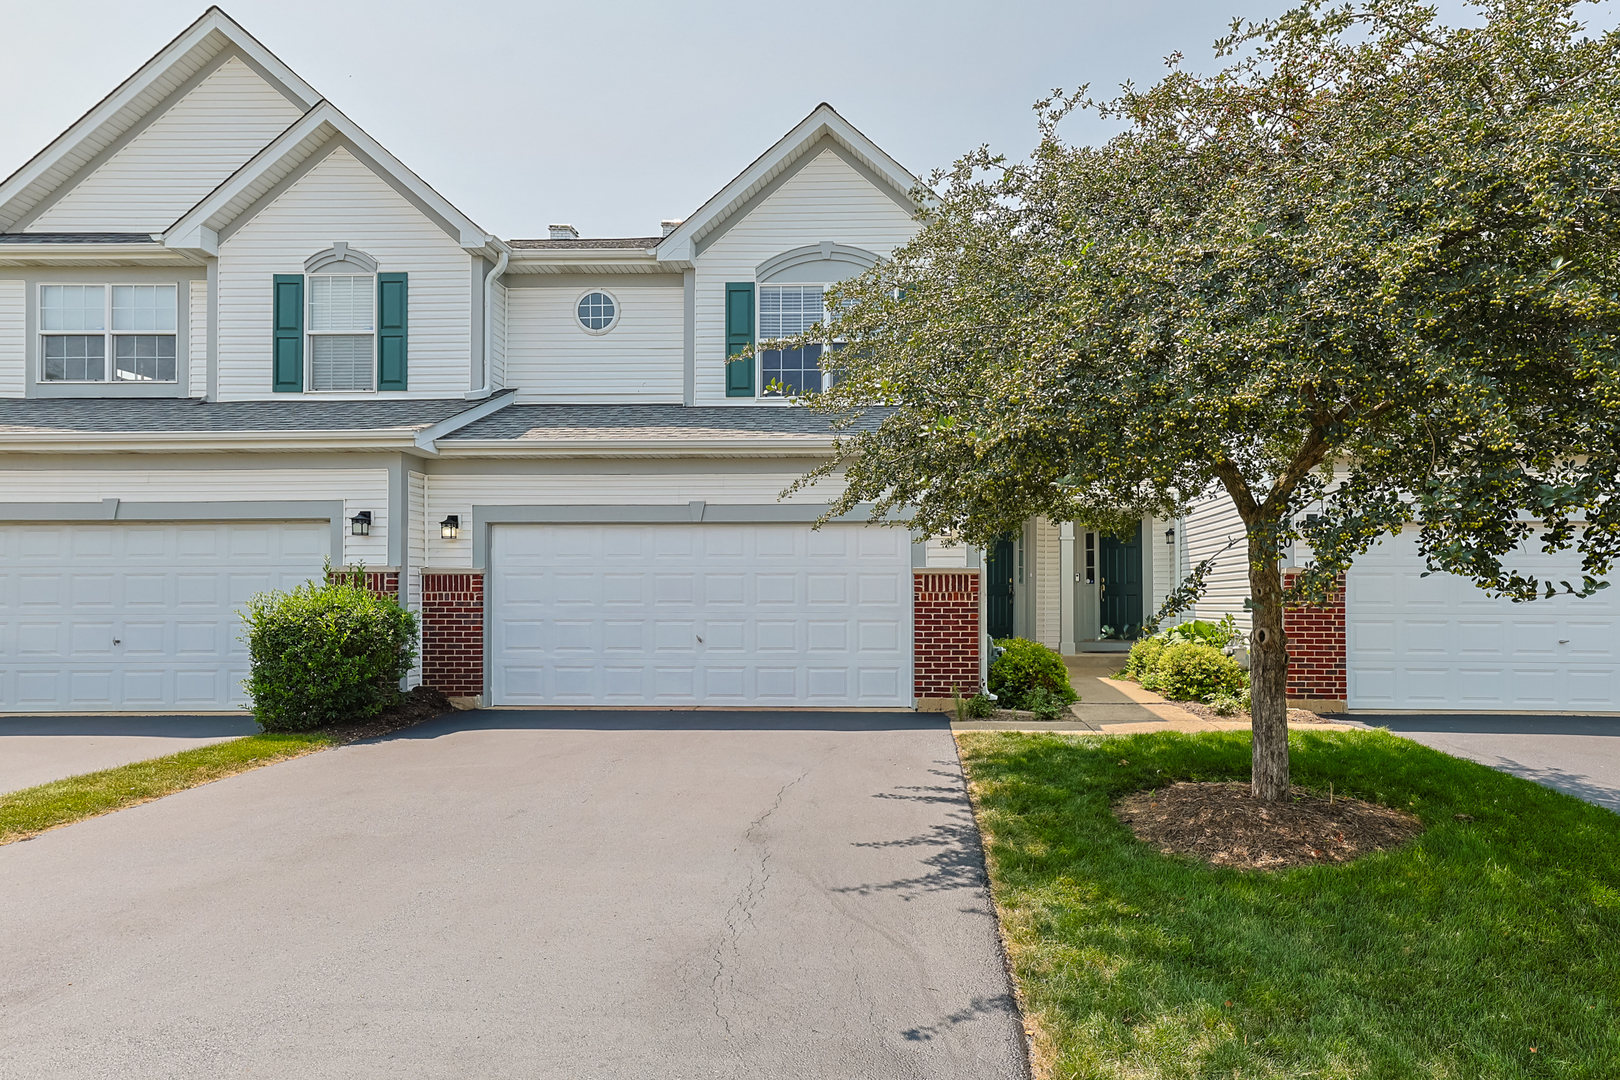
x=31 y=811
x=1486 y=947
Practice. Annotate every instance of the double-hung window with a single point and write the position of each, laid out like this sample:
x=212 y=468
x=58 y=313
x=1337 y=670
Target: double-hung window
x=83 y=327
x=786 y=311
x=342 y=331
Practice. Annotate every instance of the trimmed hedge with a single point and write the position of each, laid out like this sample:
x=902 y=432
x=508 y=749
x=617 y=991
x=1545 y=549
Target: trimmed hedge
x=1024 y=667
x=325 y=653
x=1190 y=671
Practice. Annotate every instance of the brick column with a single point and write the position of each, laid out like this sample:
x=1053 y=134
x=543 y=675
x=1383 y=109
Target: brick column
x=453 y=633
x=1317 y=678
x=945 y=635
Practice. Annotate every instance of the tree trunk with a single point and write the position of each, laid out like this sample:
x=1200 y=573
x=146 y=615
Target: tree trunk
x=1268 y=669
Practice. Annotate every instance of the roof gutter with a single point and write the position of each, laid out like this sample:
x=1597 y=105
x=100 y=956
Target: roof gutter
x=489 y=324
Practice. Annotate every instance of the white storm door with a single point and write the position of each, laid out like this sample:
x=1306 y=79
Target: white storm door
x=701 y=614
x=1440 y=643
x=138 y=618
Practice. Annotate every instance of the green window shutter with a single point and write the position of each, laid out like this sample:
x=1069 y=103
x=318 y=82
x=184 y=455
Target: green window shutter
x=739 y=336
x=393 y=324
x=287 y=334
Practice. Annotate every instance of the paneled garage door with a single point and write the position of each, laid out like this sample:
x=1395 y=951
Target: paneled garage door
x=1439 y=642
x=709 y=614
x=140 y=618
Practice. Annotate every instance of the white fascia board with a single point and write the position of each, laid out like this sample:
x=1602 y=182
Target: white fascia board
x=212 y=21
x=425 y=439
x=823 y=120
x=310 y=125
x=164 y=442
x=153 y=254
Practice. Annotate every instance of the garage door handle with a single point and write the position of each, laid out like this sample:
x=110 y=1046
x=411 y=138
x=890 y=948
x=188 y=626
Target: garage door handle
x=117 y=641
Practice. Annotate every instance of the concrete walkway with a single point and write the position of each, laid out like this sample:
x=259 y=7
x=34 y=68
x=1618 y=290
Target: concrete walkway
x=39 y=749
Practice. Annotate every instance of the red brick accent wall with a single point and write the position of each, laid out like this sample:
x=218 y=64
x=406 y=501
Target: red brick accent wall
x=453 y=633
x=1316 y=656
x=945 y=632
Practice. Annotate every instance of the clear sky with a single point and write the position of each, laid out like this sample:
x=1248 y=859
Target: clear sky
x=611 y=116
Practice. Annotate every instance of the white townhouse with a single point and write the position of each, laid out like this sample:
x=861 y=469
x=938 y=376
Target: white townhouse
x=240 y=339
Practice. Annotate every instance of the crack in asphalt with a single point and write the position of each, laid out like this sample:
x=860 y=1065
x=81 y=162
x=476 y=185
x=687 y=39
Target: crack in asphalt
x=741 y=913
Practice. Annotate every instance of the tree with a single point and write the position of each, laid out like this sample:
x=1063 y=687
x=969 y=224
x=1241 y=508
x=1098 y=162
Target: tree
x=1369 y=267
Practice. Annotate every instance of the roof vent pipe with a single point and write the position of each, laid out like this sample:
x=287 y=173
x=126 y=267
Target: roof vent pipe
x=489 y=326
x=564 y=232
x=669 y=225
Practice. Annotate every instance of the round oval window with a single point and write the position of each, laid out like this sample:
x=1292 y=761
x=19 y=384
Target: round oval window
x=597 y=311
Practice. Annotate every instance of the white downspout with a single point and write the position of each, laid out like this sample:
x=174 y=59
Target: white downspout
x=489 y=326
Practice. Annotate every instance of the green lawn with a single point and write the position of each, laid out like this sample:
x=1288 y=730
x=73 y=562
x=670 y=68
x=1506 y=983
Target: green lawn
x=33 y=810
x=1449 y=958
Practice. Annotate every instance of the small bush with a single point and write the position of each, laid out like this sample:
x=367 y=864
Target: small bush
x=325 y=653
x=1226 y=703
x=1144 y=655
x=1023 y=666
x=1045 y=704
x=980 y=707
x=1190 y=671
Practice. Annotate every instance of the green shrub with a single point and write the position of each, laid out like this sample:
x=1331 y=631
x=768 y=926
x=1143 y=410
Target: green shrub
x=1226 y=703
x=325 y=653
x=1045 y=704
x=980 y=707
x=1025 y=665
x=1190 y=671
x=1144 y=655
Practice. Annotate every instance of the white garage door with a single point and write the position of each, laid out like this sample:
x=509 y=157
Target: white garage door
x=706 y=614
x=1440 y=642
x=141 y=618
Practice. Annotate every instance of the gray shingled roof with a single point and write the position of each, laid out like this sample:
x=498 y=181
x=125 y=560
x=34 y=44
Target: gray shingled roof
x=642 y=242
x=540 y=423
x=136 y=415
x=77 y=238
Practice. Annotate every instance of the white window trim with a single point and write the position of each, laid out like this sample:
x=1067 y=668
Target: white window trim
x=618 y=312
x=109 y=349
x=310 y=335
x=759 y=334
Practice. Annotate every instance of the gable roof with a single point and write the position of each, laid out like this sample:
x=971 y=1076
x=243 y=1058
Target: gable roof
x=247 y=188
x=822 y=123
x=133 y=100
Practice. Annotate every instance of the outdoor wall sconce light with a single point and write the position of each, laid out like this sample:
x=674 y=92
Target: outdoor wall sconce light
x=450 y=527
x=360 y=524
x=1170 y=536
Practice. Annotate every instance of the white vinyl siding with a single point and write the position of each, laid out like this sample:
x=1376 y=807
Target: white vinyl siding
x=1165 y=575
x=551 y=359
x=1045 y=569
x=180 y=157
x=359 y=489
x=13 y=338
x=497 y=333
x=1209 y=525
x=940 y=552
x=197 y=348
x=342 y=199
x=457 y=494
x=825 y=200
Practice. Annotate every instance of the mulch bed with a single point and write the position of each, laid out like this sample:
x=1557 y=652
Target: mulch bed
x=1224 y=824
x=416 y=706
x=1295 y=716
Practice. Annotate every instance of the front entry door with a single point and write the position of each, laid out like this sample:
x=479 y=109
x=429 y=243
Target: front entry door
x=1122 y=585
x=998 y=590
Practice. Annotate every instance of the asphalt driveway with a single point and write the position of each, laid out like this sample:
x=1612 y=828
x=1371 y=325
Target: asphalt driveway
x=1578 y=755
x=526 y=895
x=39 y=749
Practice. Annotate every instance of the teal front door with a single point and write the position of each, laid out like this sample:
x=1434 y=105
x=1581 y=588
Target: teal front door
x=998 y=590
x=1121 y=574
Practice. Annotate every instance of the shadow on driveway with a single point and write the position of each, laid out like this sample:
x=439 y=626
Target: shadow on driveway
x=670 y=720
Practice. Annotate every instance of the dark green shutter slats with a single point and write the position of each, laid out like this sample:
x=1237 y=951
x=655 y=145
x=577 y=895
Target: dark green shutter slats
x=393 y=323
x=287 y=334
x=739 y=336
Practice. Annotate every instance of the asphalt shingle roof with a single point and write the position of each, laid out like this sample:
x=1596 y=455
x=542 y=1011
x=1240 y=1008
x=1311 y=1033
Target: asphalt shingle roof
x=134 y=415
x=642 y=242
x=537 y=423
x=77 y=238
